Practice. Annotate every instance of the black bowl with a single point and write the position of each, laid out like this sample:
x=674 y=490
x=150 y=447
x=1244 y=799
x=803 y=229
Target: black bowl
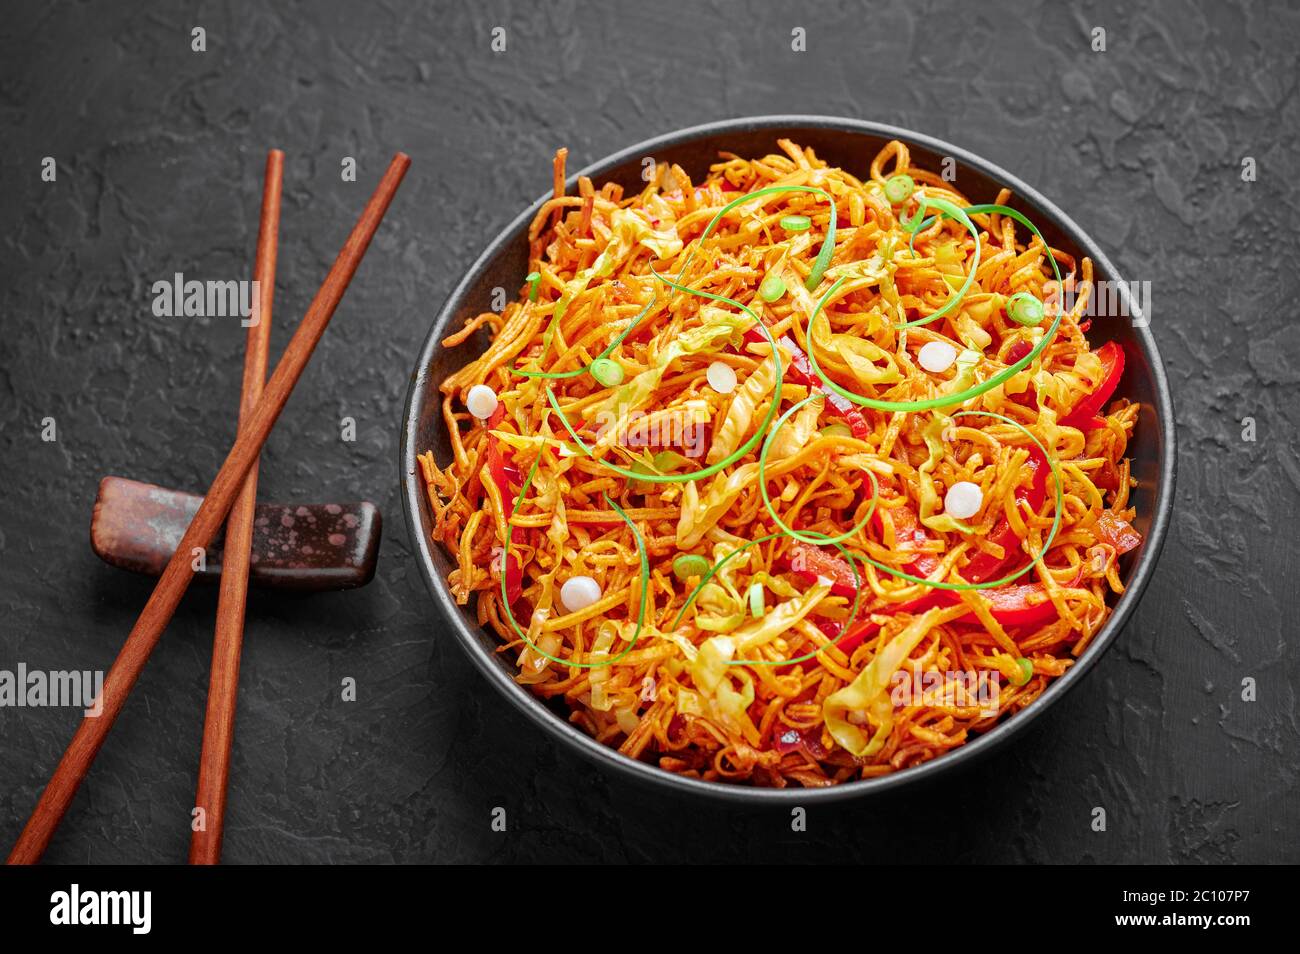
x=850 y=144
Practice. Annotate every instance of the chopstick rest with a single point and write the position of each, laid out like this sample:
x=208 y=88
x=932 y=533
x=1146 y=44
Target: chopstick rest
x=310 y=548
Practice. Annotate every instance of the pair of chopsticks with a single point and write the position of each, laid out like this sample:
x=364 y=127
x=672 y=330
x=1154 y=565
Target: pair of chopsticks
x=236 y=479
x=228 y=639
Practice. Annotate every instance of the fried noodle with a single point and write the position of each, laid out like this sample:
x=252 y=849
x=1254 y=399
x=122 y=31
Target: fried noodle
x=704 y=687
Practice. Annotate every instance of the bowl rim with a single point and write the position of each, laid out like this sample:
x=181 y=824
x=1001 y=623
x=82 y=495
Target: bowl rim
x=534 y=709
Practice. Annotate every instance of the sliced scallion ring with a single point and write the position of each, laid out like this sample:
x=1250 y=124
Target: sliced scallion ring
x=1024 y=309
x=899 y=188
x=607 y=371
x=772 y=288
x=688 y=565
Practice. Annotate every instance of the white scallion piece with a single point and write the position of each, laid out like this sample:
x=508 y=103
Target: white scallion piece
x=963 y=500
x=579 y=592
x=722 y=377
x=936 y=356
x=481 y=401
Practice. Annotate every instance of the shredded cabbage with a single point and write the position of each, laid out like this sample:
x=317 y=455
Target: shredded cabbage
x=602 y=267
x=796 y=433
x=628 y=230
x=735 y=426
x=780 y=618
x=715 y=678
x=631 y=229
x=713 y=682
x=972 y=335
x=858 y=353
x=868 y=694
x=599 y=676
x=676 y=424
x=861 y=357
x=531 y=443
x=699 y=514
x=719 y=607
x=718 y=610
x=967 y=360
x=932 y=514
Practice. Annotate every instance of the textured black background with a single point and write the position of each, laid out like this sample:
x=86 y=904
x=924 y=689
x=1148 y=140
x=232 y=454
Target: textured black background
x=160 y=153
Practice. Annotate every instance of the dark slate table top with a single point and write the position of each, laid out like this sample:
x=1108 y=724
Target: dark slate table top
x=159 y=153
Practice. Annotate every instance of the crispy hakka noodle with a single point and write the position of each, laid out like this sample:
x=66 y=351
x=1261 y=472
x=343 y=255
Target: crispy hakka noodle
x=710 y=696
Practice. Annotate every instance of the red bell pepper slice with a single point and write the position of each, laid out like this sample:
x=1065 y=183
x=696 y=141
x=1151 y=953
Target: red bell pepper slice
x=907 y=528
x=507 y=479
x=1118 y=532
x=800 y=371
x=832 y=628
x=809 y=562
x=856 y=635
x=984 y=566
x=1029 y=396
x=1021 y=605
x=1018 y=351
x=786 y=739
x=1084 y=415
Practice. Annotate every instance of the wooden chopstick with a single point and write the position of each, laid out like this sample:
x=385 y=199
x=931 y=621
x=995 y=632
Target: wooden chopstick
x=171 y=586
x=223 y=684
